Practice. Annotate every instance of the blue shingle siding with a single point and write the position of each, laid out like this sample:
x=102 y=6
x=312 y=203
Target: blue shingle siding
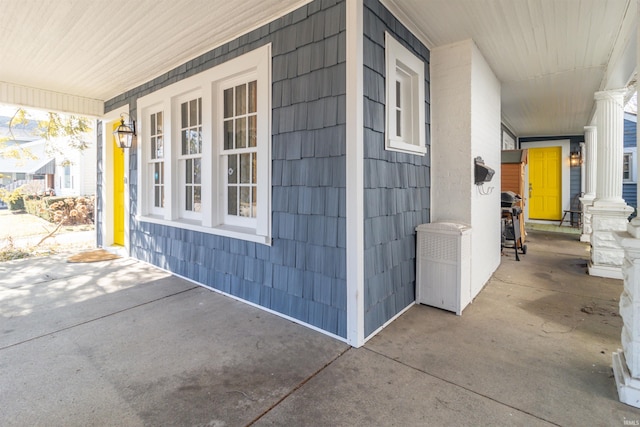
x=303 y=273
x=629 y=133
x=396 y=185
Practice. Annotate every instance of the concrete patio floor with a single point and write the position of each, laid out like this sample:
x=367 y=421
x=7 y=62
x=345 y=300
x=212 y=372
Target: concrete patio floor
x=121 y=343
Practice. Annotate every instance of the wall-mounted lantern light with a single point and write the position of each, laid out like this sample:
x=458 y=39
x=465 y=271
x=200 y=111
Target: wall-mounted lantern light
x=575 y=159
x=125 y=132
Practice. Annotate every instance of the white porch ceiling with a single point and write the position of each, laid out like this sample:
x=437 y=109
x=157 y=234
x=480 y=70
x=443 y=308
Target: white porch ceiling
x=550 y=55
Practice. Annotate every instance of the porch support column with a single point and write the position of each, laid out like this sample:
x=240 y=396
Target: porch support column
x=590 y=164
x=626 y=362
x=609 y=212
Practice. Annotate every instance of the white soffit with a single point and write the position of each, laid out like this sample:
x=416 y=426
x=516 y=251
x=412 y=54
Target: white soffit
x=74 y=54
x=551 y=56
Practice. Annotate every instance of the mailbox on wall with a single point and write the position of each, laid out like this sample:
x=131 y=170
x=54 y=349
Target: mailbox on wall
x=483 y=173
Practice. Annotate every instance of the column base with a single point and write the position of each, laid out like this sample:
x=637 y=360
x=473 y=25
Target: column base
x=586 y=202
x=628 y=387
x=607 y=271
x=607 y=256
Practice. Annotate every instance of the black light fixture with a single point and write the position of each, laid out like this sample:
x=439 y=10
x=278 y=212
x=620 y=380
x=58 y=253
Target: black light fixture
x=125 y=132
x=575 y=159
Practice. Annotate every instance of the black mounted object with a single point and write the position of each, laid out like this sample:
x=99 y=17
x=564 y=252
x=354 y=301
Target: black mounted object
x=482 y=173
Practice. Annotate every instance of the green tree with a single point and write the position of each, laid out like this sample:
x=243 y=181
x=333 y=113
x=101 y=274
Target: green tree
x=50 y=126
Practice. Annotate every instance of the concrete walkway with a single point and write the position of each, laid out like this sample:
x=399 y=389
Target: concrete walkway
x=120 y=343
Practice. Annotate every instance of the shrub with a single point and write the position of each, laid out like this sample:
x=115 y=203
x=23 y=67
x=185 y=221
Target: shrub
x=70 y=210
x=12 y=198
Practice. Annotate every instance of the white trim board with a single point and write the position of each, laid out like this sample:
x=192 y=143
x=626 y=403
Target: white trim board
x=355 y=174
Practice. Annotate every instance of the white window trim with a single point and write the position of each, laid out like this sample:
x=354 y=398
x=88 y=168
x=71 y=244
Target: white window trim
x=207 y=83
x=400 y=59
x=632 y=165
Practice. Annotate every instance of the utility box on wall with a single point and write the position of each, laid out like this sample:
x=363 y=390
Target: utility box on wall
x=443 y=266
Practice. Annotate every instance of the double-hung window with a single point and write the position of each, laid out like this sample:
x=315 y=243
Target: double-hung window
x=405 y=98
x=240 y=153
x=190 y=157
x=206 y=145
x=156 y=161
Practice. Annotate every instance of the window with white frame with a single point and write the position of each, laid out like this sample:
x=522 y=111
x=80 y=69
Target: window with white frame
x=190 y=158
x=405 y=110
x=66 y=180
x=207 y=174
x=629 y=170
x=156 y=160
x=240 y=153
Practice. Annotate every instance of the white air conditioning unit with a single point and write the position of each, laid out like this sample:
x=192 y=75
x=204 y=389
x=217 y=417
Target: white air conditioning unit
x=443 y=266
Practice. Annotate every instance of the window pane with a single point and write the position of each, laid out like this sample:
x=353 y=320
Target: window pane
x=185 y=118
x=189 y=171
x=159 y=122
x=233 y=169
x=199 y=111
x=245 y=168
x=241 y=100
x=398 y=123
x=253 y=96
x=185 y=142
x=232 y=201
x=153 y=124
x=254 y=167
x=200 y=139
x=197 y=171
x=254 y=201
x=193 y=112
x=197 y=199
x=245 y=202
x=156 y=174
x=252 y=131
x=228 y=103
x=398 y=94
x=156 y=197
x=188 y=203
x=193 y=142
x=241 y=133
x=153 y=148
x=228 y=135
x=159 y=148
x=161 y=197
x=161 y=173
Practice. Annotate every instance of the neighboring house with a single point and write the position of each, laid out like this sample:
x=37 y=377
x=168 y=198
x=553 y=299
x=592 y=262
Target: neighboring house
x=33 y=164
x=68 y=172
x=253 y=171
x=630 y=161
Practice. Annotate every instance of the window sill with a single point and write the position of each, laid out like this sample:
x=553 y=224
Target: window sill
x=234 y=232
x=403 y=147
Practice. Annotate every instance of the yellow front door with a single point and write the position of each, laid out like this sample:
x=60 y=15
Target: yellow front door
x=118 y=191
x=545 y=183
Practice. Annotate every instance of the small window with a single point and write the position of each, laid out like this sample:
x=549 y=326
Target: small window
x=405 y=111
x=629 y=173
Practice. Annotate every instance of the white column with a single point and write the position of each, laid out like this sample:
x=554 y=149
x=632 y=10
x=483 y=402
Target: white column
x=626 y=362
x=609 y=211
x=590 y=161
x=589 y=167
